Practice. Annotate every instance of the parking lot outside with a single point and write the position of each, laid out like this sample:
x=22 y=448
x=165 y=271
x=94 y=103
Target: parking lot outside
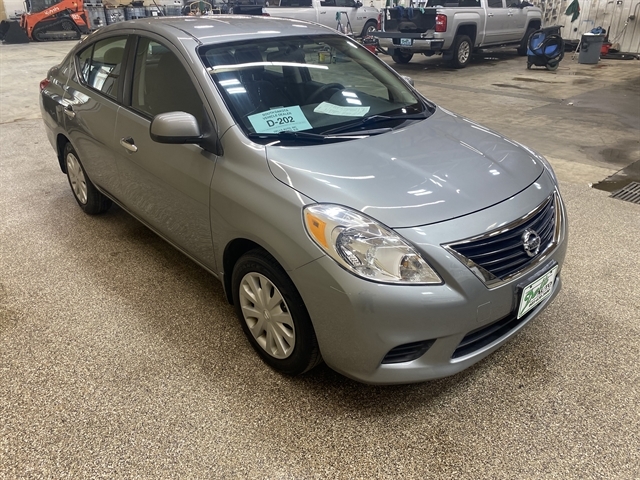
x=119 y=357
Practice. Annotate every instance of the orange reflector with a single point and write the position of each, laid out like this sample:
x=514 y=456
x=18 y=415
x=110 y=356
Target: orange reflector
x=317 y=228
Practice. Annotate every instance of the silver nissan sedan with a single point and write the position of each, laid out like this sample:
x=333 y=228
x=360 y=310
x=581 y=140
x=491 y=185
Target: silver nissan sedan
x=349 y=218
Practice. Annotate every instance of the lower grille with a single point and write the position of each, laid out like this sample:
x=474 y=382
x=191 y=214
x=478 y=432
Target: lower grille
x=483 y=336
x=407 y=352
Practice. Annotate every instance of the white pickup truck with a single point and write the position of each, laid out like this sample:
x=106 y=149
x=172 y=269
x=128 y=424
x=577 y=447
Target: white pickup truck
x=354 y=17
x=456 y=28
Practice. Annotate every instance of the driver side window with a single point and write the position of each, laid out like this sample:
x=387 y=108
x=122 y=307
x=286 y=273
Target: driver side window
x=161 y=83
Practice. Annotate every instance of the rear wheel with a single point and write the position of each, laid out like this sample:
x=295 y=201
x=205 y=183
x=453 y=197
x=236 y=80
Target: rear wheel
x=87 y=195
x=524 y=44
x=401 y=57
x=462 y=50
x=273 y=315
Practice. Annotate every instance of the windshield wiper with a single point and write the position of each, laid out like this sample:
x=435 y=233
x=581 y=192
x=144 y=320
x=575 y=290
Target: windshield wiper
x=289 y=135
x=315 y=137
x=374 y=119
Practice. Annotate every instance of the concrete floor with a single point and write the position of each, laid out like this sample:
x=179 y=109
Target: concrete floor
x=120 y=358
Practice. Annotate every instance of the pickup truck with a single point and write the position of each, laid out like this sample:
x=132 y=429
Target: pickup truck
x=355 y=18
x=455 y=28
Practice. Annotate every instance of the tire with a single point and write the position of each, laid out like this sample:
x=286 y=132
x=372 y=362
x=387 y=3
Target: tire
x=552 y=67
x=401 y=57
x=91 y=201
x=369 y=27
x=267 y=303
x=462 y=49
x=524 y=44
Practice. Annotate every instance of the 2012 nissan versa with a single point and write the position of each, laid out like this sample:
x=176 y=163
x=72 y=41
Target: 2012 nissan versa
x=349 y=218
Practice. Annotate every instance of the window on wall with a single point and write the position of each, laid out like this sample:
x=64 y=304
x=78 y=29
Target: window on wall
x=101 y=65
x=161 y=83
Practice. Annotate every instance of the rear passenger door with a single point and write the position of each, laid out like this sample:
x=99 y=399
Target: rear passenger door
x=497 y=24
x=90 y=108
x=166 y=186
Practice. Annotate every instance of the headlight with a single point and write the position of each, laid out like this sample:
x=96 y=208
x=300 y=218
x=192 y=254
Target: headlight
x=365 y=247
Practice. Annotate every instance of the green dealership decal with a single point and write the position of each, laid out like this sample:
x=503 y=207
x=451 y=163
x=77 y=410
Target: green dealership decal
x=537 y=291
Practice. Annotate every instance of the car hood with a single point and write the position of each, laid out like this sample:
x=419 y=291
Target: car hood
x=433 y=170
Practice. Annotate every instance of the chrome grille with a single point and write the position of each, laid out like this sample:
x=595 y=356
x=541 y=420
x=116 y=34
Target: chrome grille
x=500 y=254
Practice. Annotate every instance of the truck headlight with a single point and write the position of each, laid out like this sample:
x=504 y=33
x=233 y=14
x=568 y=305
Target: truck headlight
x=365 y=247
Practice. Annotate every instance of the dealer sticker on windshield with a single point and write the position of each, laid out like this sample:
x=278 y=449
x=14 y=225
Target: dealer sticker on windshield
x=341 y=111
x=537 y=291
x=279 y=120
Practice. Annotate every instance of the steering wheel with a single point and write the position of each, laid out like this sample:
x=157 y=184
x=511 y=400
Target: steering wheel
x=323 y=89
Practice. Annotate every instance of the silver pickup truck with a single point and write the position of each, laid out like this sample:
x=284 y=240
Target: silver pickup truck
x=456 y=28
x=354 y=18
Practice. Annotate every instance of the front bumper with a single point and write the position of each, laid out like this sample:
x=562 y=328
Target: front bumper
x=358 y=322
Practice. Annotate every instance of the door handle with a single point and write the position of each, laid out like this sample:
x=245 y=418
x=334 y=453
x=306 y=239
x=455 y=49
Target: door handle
x=68 y=111
x=489 y=14
x=128 y=144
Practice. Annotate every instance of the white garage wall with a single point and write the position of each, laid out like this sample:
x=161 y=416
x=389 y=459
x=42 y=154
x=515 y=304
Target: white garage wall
x=618 y=17
x=11 y=6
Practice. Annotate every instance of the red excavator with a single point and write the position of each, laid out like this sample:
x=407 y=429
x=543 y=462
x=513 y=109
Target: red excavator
x=51 y=20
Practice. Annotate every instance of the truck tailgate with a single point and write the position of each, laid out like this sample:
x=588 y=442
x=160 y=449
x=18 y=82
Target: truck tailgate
x=410 y=20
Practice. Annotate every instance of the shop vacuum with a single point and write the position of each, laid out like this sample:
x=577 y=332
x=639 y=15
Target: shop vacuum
x=546 y=48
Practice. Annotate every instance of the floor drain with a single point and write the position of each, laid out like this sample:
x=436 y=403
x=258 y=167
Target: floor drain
x=630 y=193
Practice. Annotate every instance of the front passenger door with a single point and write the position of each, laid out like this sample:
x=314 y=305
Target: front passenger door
x=166 y=186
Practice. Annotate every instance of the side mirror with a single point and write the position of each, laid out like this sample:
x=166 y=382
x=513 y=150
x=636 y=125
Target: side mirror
x=407 y=79
x=358 y=4
x=176 y=128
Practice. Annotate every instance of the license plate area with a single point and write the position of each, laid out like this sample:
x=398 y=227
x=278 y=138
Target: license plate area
x=536 y=291
x=406 y=42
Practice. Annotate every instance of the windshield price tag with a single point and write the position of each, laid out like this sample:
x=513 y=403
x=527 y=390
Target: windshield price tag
x=537 y=291
x=338 y=110
x=279 y=120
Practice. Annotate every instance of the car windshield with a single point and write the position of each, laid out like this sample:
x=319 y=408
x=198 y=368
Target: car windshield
x=314 y=84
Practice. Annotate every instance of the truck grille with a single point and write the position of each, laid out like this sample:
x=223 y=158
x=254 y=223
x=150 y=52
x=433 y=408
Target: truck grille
x=497 y=255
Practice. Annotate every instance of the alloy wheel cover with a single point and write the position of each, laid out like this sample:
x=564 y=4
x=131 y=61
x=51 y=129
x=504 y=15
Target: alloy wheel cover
x=77 y=178
x=267 y=315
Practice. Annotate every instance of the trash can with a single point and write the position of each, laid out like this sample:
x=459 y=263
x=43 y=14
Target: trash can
x=590 y=46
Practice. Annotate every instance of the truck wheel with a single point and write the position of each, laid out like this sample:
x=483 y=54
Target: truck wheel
x=401 y=57
x=524 y=44
x=369 y=27
x=462 y=49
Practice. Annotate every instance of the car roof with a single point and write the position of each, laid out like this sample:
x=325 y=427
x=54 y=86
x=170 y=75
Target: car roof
x=223 y=28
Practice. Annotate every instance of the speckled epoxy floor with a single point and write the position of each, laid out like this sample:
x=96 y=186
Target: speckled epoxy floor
x=120 y=358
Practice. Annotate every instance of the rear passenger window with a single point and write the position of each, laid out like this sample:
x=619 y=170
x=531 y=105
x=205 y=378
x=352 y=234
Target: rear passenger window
x=495 y=3
x=101 y=65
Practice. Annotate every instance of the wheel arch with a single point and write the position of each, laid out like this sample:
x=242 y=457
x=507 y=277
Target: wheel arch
x=61 y=142
x=536 y=23
x=470 y=30
x=235 y=249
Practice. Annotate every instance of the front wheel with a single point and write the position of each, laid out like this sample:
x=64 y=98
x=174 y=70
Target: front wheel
x=401 y=57
x=524 y=44
x=462 y=49
x=273 y=315
x=86 y=194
